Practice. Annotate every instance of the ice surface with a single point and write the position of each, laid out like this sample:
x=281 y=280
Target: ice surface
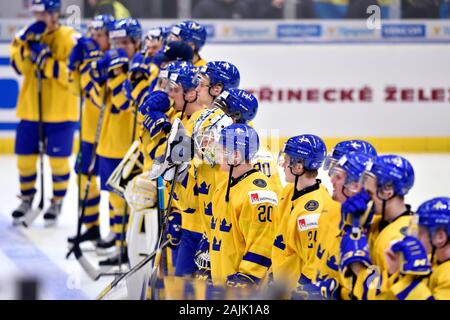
x=41 y=252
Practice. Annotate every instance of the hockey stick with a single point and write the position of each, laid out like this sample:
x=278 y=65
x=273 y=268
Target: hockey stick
x=154 y=275
x=132 y=271
x=82 y=211
x=80 y=154
x=29 y=218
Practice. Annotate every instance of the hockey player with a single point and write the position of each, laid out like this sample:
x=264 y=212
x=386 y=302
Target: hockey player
x=182 y=92
x=302 y=202
x=244 y=208
x=346 y=180
x=154 y=41
x=120 y=123
x=81 y=56
x=193 y=34
x=40 y=51
x=363 y=252
x=215 y=77
x=242 y=107
x=409 y=256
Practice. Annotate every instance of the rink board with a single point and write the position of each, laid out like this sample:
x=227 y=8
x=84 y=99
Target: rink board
x=395 y=95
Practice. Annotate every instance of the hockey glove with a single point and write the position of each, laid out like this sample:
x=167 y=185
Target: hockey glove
x=86 y=49
x=39 y=53
x=201 y=258
x=33 y=32
x=357 y=211
x=99 y=71
x=328 y=289
x=118 y=59
x=241 y=280
x=354 y=248
x=140 y=193
x=155 y=101
x=306 y=290
x=139 y=69
x=156 y=121
x=174 y=229
x=414 y=258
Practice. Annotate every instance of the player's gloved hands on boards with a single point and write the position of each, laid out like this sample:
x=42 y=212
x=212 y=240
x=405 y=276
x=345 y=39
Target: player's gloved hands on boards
x=354 y=249
x=86 y=49
x=356 y=211
x=414 y=258
x=174 y=229
x=39 y=53
x=33 y=32
x=241 y=280
x=156 y=101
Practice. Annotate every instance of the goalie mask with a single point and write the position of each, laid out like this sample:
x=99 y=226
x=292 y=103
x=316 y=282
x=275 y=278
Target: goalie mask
x=206 y=134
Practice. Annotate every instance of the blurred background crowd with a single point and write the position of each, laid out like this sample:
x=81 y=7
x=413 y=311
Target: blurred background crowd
x=249 y=9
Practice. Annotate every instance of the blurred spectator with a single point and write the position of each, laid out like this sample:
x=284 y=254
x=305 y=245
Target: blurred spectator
x=421 y=9
x=221 y=9
x=274 y=9
x=113 y=7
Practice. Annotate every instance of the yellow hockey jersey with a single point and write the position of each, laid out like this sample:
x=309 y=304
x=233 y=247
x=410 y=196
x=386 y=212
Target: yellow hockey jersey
x=294 y=248
x=436 y=286
x=119 y=118
x=91 y=112
x=242 y=228
x=200 y=62
x=207 y=180
x=264 y=162
x=58 y=103
x=186 y=201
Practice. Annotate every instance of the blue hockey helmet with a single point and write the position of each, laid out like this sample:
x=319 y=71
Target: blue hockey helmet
x=239 y=104
x=128 y=27
x=240 y=137
x=191 y=32
x=354 y=165
x=184 y=77
x=435 y=214
x=103 y=21
x=175 y=50
x=308 y=149
x=220 y=72
x=173 y=67
x=345 y=147
x=394 y=171
x=45 y=5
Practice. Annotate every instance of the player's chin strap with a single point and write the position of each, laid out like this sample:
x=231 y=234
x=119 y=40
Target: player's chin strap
x=433 y=247
x=230 y=177
x=297 y=176
x=384 y=203
x=185 y=106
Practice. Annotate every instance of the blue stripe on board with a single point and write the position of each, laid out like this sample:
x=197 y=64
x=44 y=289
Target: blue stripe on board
x=4 y=61
x=33 y=262
x=8 y=126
